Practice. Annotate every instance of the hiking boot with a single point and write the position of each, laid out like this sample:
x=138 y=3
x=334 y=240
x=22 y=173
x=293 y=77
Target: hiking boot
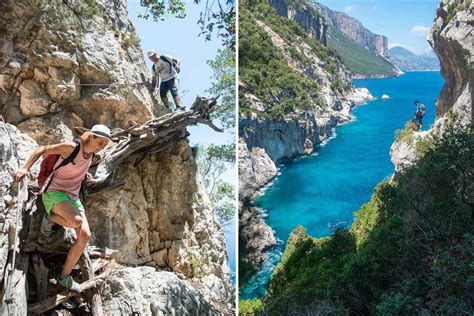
x=46 y=226
x=69 y=283
x=181 y=108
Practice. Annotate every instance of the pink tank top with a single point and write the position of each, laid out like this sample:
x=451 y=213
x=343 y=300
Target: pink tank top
x=68 y=178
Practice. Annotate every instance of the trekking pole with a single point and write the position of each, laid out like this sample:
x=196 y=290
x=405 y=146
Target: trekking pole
x=21 y=197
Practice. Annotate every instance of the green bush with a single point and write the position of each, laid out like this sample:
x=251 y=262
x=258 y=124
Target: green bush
x=250 y=307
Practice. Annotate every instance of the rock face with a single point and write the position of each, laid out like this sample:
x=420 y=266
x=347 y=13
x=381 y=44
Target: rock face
x=303 y=14
x=451 y=38
x=377 y=44
x=158 y=213
x=145 y=291
x=48 y=67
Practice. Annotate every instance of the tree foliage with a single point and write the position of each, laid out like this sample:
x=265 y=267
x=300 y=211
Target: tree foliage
x=223 y=85
x=217 y=16
x=213 y=162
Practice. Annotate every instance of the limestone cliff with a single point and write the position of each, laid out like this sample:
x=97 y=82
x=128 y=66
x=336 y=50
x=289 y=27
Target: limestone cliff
x=303 y=14
x=451 y=38
x=69 y=65
x=377 y=44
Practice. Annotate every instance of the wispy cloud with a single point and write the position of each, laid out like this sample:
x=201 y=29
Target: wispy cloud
x=349 y=8
x=373 y=8
x=420 y=29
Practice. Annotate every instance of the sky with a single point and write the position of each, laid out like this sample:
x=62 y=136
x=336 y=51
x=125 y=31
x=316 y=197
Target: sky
x=405 y=22
x=179 y=38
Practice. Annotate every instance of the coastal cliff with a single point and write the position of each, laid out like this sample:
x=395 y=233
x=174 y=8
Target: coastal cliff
x=363 y=52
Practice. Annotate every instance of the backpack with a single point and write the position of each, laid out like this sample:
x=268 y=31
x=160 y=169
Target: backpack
x=47 y=165
x=422 y=110
x=171 y=63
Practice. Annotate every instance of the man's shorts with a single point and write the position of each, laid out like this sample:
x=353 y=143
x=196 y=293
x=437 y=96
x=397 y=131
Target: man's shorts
x=169 y=85
x=51 y=198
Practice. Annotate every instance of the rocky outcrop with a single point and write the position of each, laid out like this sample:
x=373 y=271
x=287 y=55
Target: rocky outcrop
x=145 y=291
x=451 y=38
x=256 y=233
x=157 y=212
x=303 y=14
x=256 y=169
x=377 y=44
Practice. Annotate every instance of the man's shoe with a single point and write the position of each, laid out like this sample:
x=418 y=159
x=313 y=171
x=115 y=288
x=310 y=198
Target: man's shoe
x=69 y=283
x=181 y=108
x=46 y=226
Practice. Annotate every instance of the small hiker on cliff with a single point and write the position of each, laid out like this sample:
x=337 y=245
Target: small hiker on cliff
x=60 y=191
x=167 y=68
x=419 y=113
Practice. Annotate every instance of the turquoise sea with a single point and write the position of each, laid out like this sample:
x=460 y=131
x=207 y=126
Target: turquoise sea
x=323 y=190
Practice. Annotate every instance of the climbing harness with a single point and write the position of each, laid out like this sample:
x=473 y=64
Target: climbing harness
x=22 y=196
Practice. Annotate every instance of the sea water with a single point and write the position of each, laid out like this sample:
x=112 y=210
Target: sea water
x=323 y=190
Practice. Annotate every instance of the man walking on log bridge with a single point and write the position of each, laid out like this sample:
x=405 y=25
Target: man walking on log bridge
x=167 y=68
x=68 y=165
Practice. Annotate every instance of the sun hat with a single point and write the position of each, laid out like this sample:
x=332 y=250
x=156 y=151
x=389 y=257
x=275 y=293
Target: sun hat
x=101 y=131
x=151 y=52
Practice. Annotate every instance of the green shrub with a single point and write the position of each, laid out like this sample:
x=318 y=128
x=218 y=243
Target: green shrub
x=250 y=307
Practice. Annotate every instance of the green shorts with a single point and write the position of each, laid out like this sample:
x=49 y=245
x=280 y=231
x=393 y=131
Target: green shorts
x=51 y=198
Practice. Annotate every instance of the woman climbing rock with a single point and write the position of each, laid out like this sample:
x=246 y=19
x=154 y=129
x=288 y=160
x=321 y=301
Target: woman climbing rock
x=60 y=190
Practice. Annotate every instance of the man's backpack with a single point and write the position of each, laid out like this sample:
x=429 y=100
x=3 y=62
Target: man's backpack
x=47 y=165
x=422 y=110
x=171 y=63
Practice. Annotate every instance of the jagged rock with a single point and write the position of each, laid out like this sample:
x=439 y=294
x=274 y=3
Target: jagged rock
x=15 y=148
x=452 y=41
x=34 y=101
x=47 y=130
x=256 y=233
x=146 y=291
x=403 y=155
x=361 y=95
x=255 y=169
x=63 y=86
